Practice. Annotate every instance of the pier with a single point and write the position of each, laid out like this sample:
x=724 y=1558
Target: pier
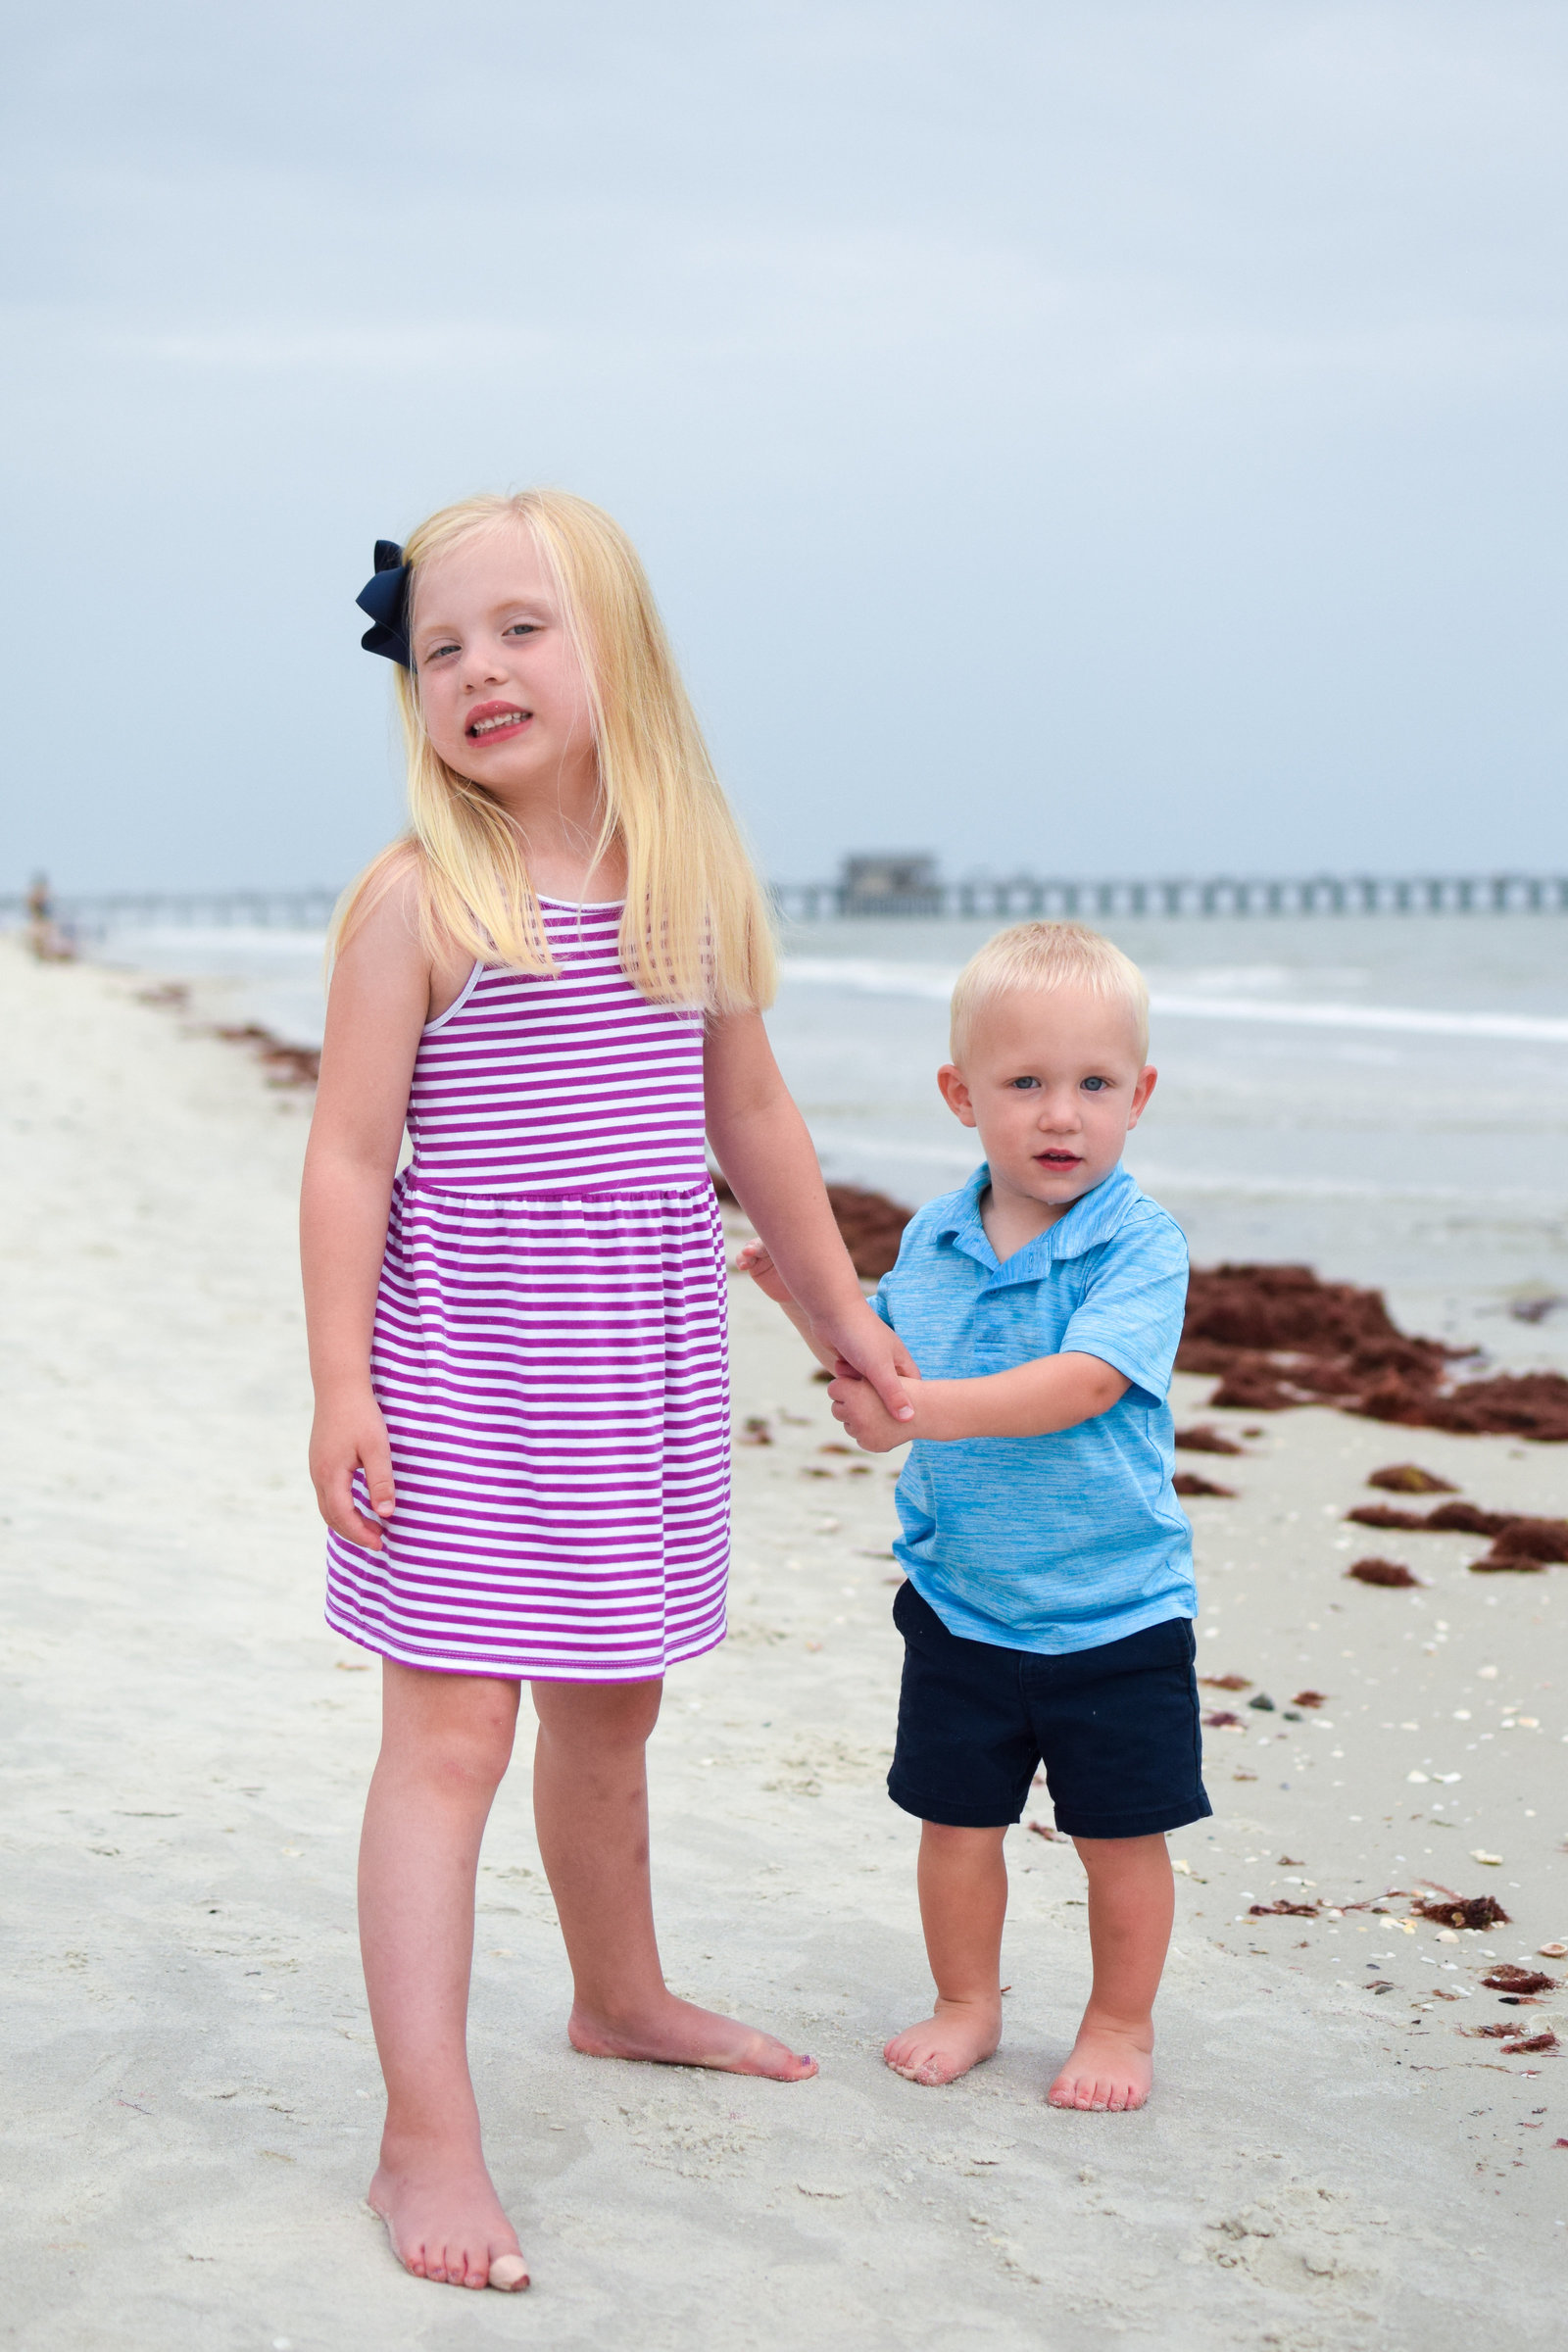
x=906 y=886
x=890 y=887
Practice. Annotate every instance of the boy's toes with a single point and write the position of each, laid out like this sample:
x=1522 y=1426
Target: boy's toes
x=509 y=2273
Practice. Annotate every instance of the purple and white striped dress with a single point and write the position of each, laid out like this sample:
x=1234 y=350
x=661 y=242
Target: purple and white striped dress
x=549 y=1345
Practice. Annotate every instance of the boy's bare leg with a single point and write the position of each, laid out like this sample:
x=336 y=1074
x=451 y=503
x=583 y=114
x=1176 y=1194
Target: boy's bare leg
x=590 y=1797
x=446 y=1740
x=964 y=1902
x=1131 y=1904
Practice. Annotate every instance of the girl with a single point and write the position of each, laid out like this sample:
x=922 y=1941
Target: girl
x=522 y=1444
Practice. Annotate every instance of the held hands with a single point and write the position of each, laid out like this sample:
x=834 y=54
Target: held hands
x=349 y=1435
x=857 y=1405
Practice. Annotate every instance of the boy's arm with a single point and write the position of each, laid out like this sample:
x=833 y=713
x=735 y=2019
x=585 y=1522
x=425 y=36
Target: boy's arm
x=1054 y=1392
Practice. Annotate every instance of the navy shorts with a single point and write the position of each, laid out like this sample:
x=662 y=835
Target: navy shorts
x=1117 y=1729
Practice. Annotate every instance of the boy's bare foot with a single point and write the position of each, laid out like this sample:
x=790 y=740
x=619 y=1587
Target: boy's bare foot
x=444 y=2220
x=678 y=2033
x=1111 y=2068
x=945 y=2045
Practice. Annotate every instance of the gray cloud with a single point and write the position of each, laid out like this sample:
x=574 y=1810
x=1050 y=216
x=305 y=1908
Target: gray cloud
x=1090 y=435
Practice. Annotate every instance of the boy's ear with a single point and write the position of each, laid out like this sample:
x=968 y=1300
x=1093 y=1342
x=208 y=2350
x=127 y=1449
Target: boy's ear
x=955 y=1093
x=1147 y=1079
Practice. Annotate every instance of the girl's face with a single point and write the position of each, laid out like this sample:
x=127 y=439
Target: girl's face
x=501 y=687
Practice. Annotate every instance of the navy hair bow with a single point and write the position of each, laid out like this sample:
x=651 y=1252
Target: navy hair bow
x=385 y=596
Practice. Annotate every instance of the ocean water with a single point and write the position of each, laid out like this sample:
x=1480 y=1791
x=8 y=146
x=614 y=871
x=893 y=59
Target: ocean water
x=1384 y=1097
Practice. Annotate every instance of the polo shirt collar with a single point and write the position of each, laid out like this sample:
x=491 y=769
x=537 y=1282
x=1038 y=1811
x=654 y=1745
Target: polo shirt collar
x=1089 y=1222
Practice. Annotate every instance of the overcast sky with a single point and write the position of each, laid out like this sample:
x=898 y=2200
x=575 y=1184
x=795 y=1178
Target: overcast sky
x=1073 y=434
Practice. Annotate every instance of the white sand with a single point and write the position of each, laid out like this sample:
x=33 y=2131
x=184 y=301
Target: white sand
x=192 y=2107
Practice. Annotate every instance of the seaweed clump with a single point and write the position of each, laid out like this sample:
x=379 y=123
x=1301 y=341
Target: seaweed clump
x=1507 y=1978
x=1382 y=1572
x=1276 y=1336
x=1518 y=1543
x=1462 y=1910
x=1409 y=1478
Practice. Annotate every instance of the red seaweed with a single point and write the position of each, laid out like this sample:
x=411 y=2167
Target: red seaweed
x=1409 y=1478
x=1276 y=1336
x=1463 y=1911
x=1382 y=1572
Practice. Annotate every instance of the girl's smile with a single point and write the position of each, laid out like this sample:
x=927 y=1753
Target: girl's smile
x=501 y=685
x=491 y=721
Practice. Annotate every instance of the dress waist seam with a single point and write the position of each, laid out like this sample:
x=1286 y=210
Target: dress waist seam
x=414 y=1180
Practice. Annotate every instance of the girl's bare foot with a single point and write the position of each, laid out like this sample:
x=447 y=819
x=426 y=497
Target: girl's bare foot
x=442 y=2218
x=1112 y=2068
x=674 y=2033
x=946 y=2044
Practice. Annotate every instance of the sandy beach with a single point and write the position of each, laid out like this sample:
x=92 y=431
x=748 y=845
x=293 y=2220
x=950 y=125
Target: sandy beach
x=1335 y=2155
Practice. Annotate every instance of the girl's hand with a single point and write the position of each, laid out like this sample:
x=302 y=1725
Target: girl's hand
x=873 y=1349
x=861 y=1411
x=348 y=1434
x=756 y=1261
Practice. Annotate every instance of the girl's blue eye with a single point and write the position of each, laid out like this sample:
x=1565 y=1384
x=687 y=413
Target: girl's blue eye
x=521 y=628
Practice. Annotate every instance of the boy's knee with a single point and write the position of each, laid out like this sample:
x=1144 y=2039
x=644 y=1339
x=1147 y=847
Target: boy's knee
x=951 y=1838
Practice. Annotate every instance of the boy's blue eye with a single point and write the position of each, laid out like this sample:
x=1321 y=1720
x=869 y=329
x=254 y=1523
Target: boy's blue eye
x=1096 y=1086
x=1021 y=1083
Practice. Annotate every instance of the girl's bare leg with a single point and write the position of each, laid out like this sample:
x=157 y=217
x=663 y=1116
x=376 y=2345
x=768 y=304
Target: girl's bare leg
x=590 y=1797
x=446 y=1740
x=1132 y=1901
x=964 y=1902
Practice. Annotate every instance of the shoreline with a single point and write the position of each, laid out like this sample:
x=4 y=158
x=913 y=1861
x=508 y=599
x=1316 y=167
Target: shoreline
x=1335 y=2151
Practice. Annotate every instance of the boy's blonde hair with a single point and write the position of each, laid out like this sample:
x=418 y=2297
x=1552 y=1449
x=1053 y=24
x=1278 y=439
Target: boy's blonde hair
x=696 y=929
x=1042 y=956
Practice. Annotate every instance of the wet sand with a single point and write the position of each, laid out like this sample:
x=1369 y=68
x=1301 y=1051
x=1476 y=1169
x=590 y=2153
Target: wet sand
x=193 y=2089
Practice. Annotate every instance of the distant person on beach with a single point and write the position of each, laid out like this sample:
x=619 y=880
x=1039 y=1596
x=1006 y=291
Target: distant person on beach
x=1046 y=1616
x=521 y=1447
x=47 y=940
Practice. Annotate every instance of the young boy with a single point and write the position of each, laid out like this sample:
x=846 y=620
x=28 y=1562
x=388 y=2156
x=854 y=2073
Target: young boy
x=1046 y=1616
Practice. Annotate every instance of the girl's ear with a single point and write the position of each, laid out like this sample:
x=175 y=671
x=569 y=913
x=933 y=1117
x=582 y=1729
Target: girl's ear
x=955 y=1093
x=1145 y=1087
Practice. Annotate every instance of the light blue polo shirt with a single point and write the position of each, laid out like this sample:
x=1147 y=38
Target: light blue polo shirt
x=1064 y=1541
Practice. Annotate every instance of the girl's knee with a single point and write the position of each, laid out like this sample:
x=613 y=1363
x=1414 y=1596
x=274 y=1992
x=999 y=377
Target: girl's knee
x=458 y=1731
x=603 y=1715
x=472 y=1757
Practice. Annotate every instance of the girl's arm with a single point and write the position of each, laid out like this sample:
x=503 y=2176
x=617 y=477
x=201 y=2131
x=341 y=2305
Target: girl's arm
x=378 y=1003
x=754 y=1260
x=760 y=1143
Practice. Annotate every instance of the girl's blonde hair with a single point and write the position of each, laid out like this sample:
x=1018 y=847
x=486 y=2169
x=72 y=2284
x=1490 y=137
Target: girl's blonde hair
x=696 y=927
x=1047 y=955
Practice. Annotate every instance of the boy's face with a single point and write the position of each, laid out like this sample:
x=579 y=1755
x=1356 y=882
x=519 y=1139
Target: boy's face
x=1052 y=1079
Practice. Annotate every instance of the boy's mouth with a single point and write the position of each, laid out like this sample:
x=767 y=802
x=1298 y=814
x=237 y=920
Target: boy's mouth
x=492 y=720
x=1058 y=1162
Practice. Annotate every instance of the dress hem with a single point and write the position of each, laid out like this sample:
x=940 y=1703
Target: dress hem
x=513 y=1673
